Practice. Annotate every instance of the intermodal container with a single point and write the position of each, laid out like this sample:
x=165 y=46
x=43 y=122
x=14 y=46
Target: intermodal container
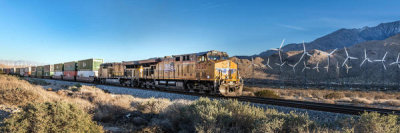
x=48 y=71
x=33 y=71
x=69 y=75
x=88 y=69
x=21 y=71
x=28 y=71
x=39 y=71
x=12 y=70
x=58 y=71
x=17 y=71
x=70 y=66
x=6 y=70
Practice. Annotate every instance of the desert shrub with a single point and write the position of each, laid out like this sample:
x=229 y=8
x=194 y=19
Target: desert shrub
x=377 y=123
x=297 y=123
x=75 y=89
x=18 y=96
x=50 y=117
x=78 y=85
x=152 y=105
x=267 y=94
x=334 y=95
x=205 y=115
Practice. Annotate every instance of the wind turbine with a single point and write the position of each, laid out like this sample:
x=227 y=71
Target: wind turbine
x=347 y=73
x=398 y=65
x=366 y=60
x=304 y=53
x=317 y=67
x=329 y=56
x=384 y=68
x=348 y=58
x=305 y=73
x=279 y=50
x=280 y=58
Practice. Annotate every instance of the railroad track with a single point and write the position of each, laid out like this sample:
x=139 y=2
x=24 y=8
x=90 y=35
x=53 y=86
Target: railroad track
x=334 y=108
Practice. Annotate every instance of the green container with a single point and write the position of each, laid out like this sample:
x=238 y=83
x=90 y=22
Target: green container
x=89 y=64
x=33 y=71
x=48 y=70
x=18 y=70
x=70 y=66
x=39 y=71
x=59 y=67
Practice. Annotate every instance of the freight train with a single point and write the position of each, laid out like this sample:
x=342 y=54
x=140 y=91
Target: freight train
x=209 y=72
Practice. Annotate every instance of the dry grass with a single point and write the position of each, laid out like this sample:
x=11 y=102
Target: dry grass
x=18 y=92
x=369 y=98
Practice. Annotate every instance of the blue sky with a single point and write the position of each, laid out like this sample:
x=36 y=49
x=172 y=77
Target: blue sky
x=117 y=30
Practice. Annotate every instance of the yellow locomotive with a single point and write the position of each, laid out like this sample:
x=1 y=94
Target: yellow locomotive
x=205 y=72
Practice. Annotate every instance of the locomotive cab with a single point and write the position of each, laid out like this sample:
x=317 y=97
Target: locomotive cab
x=215 y=65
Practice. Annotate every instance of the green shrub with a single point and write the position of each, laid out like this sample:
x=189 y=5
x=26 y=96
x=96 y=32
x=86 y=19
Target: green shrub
x=153 y=106
x=75 y=89
x=38 y=82
x=78 y=85
x=267 y=94
x=334 y=95
x=50 y=117
x=377 y=123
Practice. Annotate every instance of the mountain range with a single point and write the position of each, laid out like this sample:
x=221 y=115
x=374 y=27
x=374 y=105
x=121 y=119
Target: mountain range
x=341 y=38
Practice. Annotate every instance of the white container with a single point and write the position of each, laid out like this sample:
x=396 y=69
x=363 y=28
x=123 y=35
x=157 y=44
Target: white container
x=58 y=74
x=88 y=73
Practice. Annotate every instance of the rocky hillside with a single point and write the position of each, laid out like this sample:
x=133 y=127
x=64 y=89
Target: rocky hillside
x=373 y=71
x=342 y=38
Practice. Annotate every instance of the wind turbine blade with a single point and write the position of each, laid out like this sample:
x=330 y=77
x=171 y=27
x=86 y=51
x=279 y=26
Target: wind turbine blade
x=309 y=54
x=365 y=53
x=377 y=60
x=369 y=60
x=333 y=51
x=362 y=62
x=353 y=58
x=393 y=63
x=277 y=64
x=347 y=54
x=397 y=60
x=384 y=56
x=304 y=47
x=384 y=66
x=275 y=49
x=344 y=62
x=303 y=69
x=283 y=41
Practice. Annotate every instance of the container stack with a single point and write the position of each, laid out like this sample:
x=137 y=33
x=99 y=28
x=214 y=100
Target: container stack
x=13 y=71
x=39 y=71
x=48 y=71
x=58 y=71
x=70 y=70
x=33 y=71
x=17 y=71
x=27 y=71
x=88 y=69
